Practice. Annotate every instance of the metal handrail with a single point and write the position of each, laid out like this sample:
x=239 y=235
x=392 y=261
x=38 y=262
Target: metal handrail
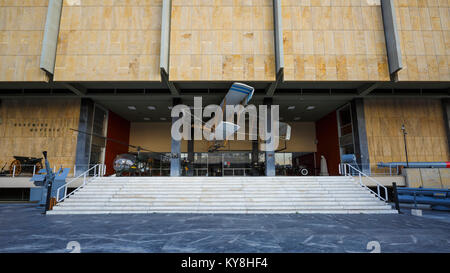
x=99 y=171
x=343 y=171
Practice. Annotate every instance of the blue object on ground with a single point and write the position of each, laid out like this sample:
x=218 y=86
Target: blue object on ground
x=439 y=199
x=39 y=193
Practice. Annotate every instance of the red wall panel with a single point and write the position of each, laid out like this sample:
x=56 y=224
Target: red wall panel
x=118 y=129
x=328 y=142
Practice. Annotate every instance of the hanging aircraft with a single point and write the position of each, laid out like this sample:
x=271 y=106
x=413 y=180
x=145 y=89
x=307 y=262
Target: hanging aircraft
x=239 y=94
x=138 y=163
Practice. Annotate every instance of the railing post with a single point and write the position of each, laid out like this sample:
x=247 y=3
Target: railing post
x=395 y=193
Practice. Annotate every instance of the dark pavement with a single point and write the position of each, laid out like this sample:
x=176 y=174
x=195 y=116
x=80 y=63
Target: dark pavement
x=24 y=229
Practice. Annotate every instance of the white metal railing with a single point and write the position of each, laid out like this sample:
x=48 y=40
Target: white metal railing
x=348 y=170
x=98 y=170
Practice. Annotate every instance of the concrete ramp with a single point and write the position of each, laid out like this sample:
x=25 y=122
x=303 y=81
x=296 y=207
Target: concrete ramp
x=231 y=195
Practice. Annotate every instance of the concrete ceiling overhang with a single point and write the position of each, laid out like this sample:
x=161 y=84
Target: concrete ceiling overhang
x=325 y=96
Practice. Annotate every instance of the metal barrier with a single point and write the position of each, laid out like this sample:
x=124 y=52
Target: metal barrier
x=348 y=170
x=197 y=170
x=98 y=170
x=14 y=173
x=375 y=170
x=438 y=199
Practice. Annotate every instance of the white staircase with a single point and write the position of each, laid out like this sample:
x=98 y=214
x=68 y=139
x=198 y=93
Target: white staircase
x=107 y=195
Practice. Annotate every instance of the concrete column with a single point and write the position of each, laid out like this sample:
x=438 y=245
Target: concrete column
x=175 y=166
x=84 y=140
x=446 y=110
x=255 y=156
x=191 y=154
x=360 y=135
x=270 y=155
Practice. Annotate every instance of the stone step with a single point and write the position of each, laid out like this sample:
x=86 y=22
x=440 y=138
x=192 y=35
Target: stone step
x=94 y=187
x=221 y=193
x=235 y=182
x=222 y=204
x=221 y=199
x=289 y=211
x=145 y=184
x=228 y=194
x=184 y=207
x=219 y=181
x=220 y=186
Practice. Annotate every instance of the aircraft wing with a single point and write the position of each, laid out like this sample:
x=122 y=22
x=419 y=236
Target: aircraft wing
x=239 y=93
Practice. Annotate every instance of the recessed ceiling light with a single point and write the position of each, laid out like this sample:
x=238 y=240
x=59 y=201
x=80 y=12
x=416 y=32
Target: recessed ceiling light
x=152 y=108
x=147 y=119
x=163 y=119
x=311 y=107
x=291 y=107
x=132 y=107
x=297 y=118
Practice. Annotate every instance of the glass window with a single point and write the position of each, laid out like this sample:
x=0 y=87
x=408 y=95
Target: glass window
x=279 y=159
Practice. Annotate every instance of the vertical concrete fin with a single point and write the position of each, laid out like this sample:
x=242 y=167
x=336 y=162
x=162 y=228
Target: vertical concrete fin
x=51 y=32
x=165 y=47
x=165 y=36
x=446 y=110
x=391 y=35
x=279 y=48
x=278 y=32
x=360 y=135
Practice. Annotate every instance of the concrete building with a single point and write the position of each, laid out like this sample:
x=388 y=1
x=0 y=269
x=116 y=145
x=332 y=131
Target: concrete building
x=346 y=74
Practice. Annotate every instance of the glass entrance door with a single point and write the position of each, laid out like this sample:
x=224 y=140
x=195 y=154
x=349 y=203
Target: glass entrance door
x=215 y=164
x=237 y=163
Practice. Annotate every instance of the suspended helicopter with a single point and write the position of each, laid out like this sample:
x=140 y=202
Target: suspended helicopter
x=133 y=163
